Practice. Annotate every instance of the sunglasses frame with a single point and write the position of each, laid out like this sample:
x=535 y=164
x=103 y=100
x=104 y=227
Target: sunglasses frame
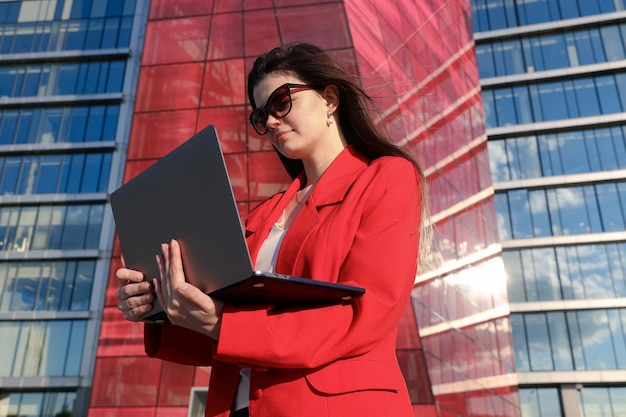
x=262 y=114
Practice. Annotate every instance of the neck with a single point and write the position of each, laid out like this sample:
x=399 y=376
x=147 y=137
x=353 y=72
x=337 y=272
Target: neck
x=316 y=166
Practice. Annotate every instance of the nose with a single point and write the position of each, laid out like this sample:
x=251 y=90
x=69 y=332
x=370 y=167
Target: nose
x=272 y=122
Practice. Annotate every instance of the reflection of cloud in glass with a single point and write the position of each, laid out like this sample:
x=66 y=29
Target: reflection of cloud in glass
x=569 y=197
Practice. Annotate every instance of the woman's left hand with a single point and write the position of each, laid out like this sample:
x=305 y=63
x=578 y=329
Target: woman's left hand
x=185 y=305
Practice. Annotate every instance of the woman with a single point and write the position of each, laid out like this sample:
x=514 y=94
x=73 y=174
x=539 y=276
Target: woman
x=351 y=215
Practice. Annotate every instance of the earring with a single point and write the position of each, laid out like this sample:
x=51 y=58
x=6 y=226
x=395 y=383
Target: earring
x=330 y=119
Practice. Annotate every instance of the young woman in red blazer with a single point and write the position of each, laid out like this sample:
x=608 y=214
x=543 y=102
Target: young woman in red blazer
x=352 y=215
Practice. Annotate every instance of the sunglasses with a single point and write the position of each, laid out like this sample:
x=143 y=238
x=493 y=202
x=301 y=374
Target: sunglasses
x=278 y=105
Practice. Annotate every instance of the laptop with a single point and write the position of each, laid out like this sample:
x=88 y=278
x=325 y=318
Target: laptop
x=187 y=196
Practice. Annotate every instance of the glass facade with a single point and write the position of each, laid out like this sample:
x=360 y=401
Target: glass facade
x=67 y=85
x=193 y=73
x=554 y=95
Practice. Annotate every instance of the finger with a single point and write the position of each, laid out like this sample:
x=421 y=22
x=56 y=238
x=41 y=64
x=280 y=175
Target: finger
x=158 y=291
x=131 y=290
x=177 y=275
x=166 y=287
x=124 y=275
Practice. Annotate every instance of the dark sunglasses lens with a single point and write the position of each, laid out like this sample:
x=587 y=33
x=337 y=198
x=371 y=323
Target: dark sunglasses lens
x=281 y=103
x=258 y=119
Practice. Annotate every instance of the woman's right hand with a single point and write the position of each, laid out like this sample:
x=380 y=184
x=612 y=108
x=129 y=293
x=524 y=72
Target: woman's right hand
x=135 y=295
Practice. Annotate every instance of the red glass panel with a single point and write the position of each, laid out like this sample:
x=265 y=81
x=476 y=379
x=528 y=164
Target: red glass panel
x=304 y=24
x=224 y=83
x=201 y=377
x=425 y=411
x=134 y=168
x=415 y=373
x=257 y=4
x=260 y=37
x=168 y=8
x=237 y=165
x=267 y=175
x=154 y=134
x=225 y=6
x=126 y=381
x=110 y=300
x=226 y=36
x=172 y=412
x=408 y=336
x=176 y=40
x=121 y=411
x=169 y=87
x=230 y=123
x=118 y=336
x=175 y=385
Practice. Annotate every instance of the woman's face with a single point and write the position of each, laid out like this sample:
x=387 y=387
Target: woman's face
x=303 y=132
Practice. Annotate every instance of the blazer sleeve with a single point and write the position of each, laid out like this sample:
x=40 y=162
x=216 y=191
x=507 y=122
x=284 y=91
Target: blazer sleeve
x=382 y=259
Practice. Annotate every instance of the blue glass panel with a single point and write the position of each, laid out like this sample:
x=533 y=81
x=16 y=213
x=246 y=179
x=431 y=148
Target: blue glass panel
x=75 y=348
x=515 y=276
x=496 y=15
x=75 y=36
x=586 y=97
x=617 y=263
x=620 y=81
x=502 y=212
x=76 y=220
x=530 y=275
x=95 y=124
x=92 y=235
x=123 y=40
x=504 y=105
x=523 y=107
x=539 y=213
x=553 y=102
x=572 y=153
x=49 y=173
x=611 y=211
x=601 y=139
x=56 y=227
x=78 y=123
x=8 y=125
x=576 y=341
x=66 y=84
x=596 y=275
x=612 y=41
x=549 y=402
x=81 y=9
x=75 y=174
x=115 y=80
x=518 y=332
x=538 y=342
x=499 y=160
x=591 y=201
x=618 y=337
x=94 y=33
x=609 y=102
x=56 y=286
x=484 y=58
x=93 y=75
x=618 y=136
x=596 y=339
x=588 y=8
x=98 y=9
x=520 y=214
x=82 y=285
x=559 y=339
x=546 y=274
x=10 y=176
x=58 y=336
x=489 y=109
x=111 y=28
x=9 y=335
x=554 y=52
x=595 y=401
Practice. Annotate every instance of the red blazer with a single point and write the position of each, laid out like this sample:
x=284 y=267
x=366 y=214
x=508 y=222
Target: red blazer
x=359 y=226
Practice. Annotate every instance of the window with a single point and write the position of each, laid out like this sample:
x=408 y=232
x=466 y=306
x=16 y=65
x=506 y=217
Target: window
x=46 y=285
x=566 y=272
x=41 y=348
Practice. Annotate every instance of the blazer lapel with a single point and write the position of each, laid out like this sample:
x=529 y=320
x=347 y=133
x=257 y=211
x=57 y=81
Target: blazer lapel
x=331 y=188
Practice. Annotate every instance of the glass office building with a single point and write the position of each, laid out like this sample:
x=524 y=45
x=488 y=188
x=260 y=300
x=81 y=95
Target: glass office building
x=553 y=75
x=67 y=84
x=514 y=108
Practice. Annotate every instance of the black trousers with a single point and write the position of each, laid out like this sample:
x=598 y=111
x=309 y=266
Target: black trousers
x=240 y=413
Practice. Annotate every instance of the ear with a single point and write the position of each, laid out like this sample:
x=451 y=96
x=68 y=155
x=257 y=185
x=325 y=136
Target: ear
x=331 y=95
